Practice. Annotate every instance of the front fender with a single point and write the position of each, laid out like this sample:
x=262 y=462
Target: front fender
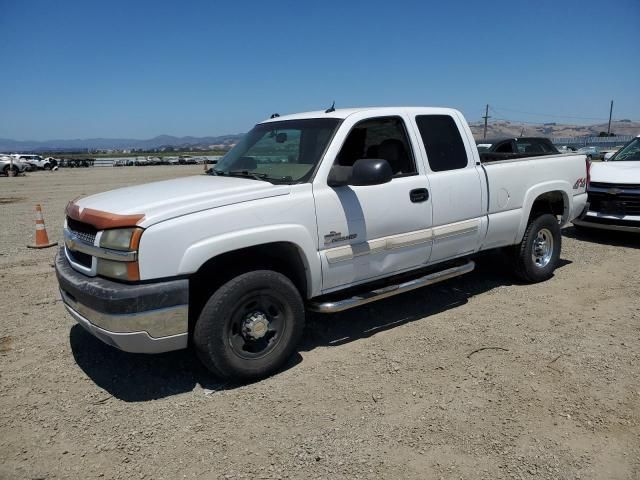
x=536 y=191
x=200 y=252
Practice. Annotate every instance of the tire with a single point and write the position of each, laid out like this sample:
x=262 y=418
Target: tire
x=229 y=336
x=536 y=257
x=47 y=166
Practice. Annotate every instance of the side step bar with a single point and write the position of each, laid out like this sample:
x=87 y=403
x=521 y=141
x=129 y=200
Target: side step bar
x=389 y=291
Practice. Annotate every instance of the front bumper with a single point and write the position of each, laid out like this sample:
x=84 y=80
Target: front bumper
x=622 y=223
x=142 y=318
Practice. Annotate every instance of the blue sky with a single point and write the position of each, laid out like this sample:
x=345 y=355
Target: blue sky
x=136 y=69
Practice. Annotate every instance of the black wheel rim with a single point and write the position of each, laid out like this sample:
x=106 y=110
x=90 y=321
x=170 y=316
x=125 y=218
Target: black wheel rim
x=248 y=335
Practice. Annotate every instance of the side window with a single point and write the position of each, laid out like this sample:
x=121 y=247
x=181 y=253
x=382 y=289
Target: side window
x=506 y=147
x=383 y=137
x=442 y=141
x=531 y=147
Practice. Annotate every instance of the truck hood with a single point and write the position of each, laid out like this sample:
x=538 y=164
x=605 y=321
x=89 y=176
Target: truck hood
x=147 y=204
x=616 y=172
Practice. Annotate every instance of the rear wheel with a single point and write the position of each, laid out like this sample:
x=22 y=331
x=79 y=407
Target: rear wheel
x=536 y=257
x=250 y=326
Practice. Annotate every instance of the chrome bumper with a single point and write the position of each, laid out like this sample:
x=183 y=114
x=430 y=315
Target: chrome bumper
x=141 y=318
x=614 y=224
x=135 y=342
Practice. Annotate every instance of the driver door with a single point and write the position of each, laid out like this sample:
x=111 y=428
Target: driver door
x=368 y=232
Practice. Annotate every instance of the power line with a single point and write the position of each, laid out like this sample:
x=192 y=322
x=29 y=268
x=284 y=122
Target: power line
x=519 y=121
x=486 y=117
x=546 y=114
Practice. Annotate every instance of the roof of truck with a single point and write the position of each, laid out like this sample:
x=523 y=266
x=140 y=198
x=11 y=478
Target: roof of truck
x=343 y=113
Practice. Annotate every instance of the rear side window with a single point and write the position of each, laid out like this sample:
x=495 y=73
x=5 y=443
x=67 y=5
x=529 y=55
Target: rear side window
x=506 y=147
x=442 y=141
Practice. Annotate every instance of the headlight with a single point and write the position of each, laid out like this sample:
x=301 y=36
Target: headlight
x=121 y=238
x=127 y=271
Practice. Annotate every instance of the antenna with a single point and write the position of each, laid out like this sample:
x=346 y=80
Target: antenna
x=332 y=108
x=275 y=115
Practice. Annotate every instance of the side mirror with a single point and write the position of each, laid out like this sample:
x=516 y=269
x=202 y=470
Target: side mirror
x=371 y=171
x=366 y=171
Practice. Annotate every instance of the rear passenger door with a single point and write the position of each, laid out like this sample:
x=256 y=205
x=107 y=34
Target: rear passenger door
x=455 y=186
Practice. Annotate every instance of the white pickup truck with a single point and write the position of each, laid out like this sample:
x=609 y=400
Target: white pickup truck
x=614 y=192
x=324 y=211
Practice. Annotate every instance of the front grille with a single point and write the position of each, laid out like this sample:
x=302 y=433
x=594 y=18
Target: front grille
x=626 y=186
x=80 y=258
x=614 y=198
x=84 y=231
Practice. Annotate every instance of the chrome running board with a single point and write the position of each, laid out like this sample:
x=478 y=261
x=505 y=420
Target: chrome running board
x=390 y=290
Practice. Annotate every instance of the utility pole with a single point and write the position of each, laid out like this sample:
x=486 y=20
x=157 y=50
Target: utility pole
x=610 y=113
x=486 y=117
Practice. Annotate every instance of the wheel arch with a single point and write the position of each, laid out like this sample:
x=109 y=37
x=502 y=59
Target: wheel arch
x=284 y=257
x=553 y=198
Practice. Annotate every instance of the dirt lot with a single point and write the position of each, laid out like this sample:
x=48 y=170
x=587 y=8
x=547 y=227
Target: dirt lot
x=390 y=390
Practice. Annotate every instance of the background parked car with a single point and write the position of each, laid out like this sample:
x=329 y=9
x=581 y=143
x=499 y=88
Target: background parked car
x=592 y=153
x=509 y=148
x=6 y=164
x=186 y=160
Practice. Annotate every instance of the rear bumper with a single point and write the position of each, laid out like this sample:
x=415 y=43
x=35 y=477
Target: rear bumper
x=144 y=318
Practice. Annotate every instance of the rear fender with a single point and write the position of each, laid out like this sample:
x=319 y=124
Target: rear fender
x=536 y=192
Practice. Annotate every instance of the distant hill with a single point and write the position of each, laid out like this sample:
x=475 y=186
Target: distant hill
x=514 y=129
x=494 y=129
x=8 y=145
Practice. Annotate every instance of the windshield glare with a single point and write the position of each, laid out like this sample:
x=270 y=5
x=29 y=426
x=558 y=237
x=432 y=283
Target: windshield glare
x=629 y=153
x=285 y=151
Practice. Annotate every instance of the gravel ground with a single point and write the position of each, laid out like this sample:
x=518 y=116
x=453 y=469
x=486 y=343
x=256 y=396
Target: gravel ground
x=388 y=390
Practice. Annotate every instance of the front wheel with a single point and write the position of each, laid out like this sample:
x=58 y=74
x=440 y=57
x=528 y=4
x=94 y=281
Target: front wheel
x=13 y=169
x=536 y=257
x=250 y=326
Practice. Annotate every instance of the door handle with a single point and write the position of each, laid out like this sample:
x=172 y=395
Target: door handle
x=418 y=195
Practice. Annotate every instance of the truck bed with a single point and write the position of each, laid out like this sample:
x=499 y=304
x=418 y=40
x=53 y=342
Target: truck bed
x=486 y=157
x=513 y=183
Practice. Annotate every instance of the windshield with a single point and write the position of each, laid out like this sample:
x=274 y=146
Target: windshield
x=629 y=153
x=280 y=152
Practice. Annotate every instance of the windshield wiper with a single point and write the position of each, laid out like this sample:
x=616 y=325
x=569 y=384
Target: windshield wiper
x=243 y=173
x=265 y=177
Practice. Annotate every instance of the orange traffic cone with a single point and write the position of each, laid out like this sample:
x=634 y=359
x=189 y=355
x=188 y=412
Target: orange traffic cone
x=42 y=239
